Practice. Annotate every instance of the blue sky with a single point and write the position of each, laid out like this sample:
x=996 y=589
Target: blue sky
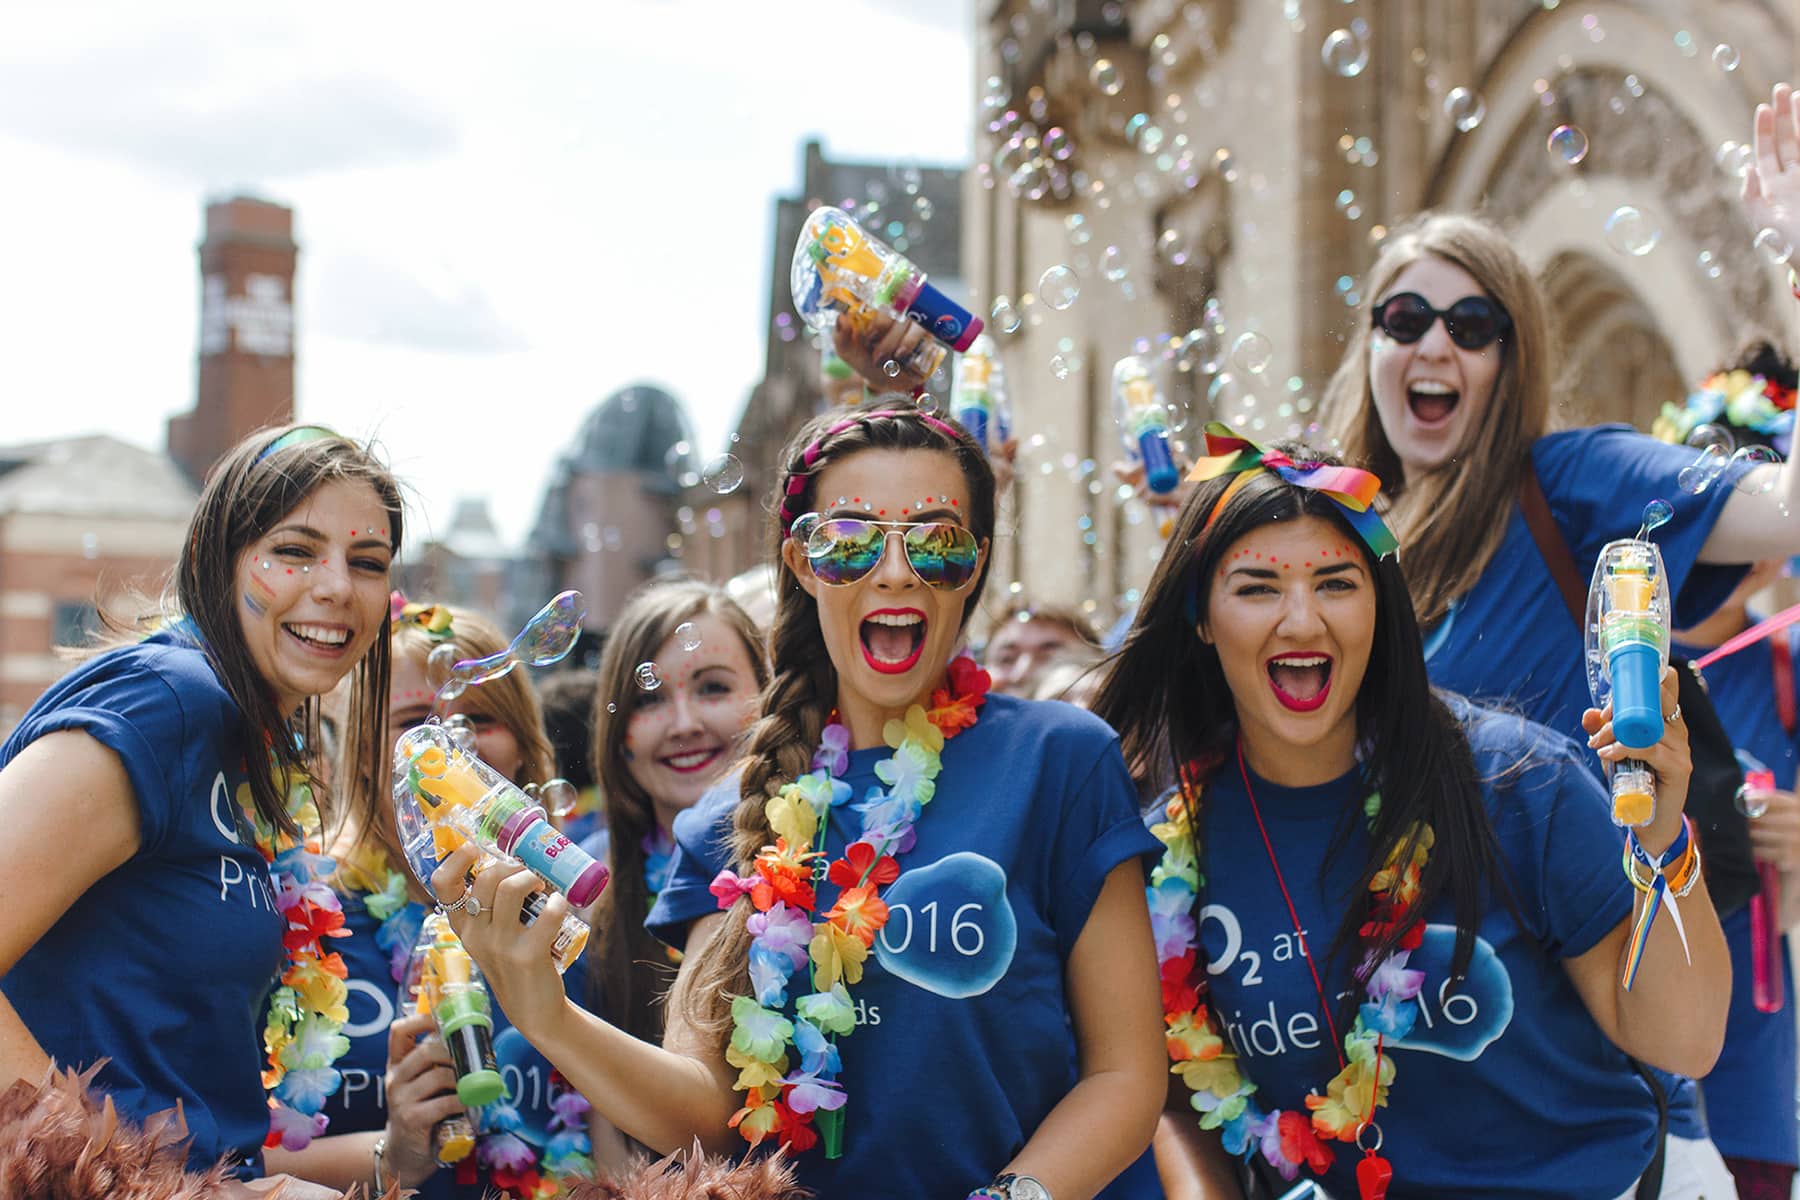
x=503 y=215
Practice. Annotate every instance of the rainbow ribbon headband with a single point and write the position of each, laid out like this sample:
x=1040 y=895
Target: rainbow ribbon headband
x=1353 y=490
x=296 y=436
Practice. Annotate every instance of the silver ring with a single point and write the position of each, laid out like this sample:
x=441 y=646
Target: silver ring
x=1674 y=716
x=474 y=909
x=458 y=904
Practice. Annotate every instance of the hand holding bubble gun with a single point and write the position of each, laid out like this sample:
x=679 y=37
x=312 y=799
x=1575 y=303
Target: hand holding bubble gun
x=1144 y=422
x=1627 y=649
x=444 y=983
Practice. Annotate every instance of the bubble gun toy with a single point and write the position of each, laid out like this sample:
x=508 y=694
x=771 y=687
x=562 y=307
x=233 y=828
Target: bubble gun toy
x=840 y=270
x=1767 y=988
x=444 y=983
x=1144 y=422
x=979 y=401
x=1627 y=648
x=445 y=795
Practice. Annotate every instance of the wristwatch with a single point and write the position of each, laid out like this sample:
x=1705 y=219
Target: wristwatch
x=1014 y=1187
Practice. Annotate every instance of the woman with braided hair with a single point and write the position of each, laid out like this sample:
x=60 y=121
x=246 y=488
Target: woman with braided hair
x=905 y=862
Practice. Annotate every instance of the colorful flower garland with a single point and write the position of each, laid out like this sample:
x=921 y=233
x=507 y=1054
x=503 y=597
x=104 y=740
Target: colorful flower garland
x=784 y=1098
x=1743 y=400
x=1222 y=1095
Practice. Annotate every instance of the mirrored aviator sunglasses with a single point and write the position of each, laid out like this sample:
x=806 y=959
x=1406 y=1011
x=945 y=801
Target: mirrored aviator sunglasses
x=1474 y=322
x=842 y=550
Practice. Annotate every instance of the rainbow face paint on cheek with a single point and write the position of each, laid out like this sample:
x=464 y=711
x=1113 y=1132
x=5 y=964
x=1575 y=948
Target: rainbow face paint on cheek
x=258 y=596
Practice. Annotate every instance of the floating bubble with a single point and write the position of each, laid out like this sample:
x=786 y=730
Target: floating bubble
x=1113 y=264
x=547 y=638
x=1006 y=317
x=1725 y=57
x=1703 y=437
x=1058 y=144
x=1630 y=232
x=1345 y=52
x=1752 y=483
x=1059 y=366
x=890 y=368
x=1172 y=246
x=611 y=707
x=461 y=730
x=1709 y=264
x=1567 y=144
x=723 y=474
x=1734 y=158
x=1077 y=226
x=1105 y=76
x=1700 y=475
x=1058 y=287
x=439 y=663
x=558 y=796
x=1774 y=246
x=1252 y=352
x=1752 y=806
x=922 y=206
x=1656 y=515
x=647 y=676
x=1465 y=108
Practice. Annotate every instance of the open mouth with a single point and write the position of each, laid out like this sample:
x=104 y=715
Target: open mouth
x=322 y=639
x=1300 y=681
x=690 y=761
x=893 y=639
x=1432 y=402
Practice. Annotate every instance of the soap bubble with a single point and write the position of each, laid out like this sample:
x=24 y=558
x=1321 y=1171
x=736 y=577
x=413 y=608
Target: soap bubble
x=1058 y=144
x=1113 y=264
x=461 y=731
x=1058 y=287
x=1715 y=445
x=1774 y=246
x=1252 y=352
x=439 y=662
x=1006 y=317
x=1657 y=514
x=1077 y=226
x=1751 y=806
x=1345 y=52
x=1567 y=144
x=647 y=676
x=558 y=796
x=1725 y=57
x=1755 y=456
x=890 y=368
x=922 y=206
x=1201 y=350
x=1059 y=366
x=1709 y=264
x=611 y=707
x=1172 y=246
x=1465 y=108
x=1105 y=76
x=1630 y=232
x=687 y=636
x=723 y=474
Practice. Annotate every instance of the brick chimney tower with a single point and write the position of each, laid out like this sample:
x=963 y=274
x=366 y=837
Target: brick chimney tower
x=246 y=375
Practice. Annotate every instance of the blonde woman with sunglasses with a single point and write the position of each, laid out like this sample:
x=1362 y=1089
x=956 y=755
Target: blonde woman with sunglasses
x=915 y=874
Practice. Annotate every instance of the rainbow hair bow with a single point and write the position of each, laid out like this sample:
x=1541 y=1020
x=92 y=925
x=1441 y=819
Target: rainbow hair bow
x=1353 y=490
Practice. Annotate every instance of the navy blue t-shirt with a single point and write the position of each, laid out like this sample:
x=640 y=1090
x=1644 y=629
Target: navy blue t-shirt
x=1033 y=809
x=162 y=966
x=1749 y=1093
x=1505 y=1086
x=359 y=1104
x=1512 y=639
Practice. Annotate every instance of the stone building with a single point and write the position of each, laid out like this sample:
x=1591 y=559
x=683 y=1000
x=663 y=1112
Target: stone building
x=1256 y=154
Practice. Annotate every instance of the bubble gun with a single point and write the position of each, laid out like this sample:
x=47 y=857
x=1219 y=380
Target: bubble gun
x=444 y=983
x=840 y=270
x=1144 y=422
x=1627 y=638
x=1768 y=990
x=979 y=399
x=444 y=795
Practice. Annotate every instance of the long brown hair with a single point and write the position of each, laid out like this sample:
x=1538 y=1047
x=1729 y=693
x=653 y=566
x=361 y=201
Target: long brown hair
x=252 y=488
x=803 y=684
x=628 y=967
x=1451 y=519
x=368 y=752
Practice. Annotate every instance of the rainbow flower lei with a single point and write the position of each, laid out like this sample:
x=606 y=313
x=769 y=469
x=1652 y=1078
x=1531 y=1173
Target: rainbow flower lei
x=788 y=1065
x=1744 y=400
x=303 y=1033
x=1199 y=1054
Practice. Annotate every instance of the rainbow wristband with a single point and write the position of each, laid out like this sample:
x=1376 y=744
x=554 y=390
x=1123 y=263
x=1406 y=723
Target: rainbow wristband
x=1677 y=848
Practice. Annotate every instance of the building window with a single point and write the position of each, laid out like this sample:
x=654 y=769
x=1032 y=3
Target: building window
x=74 y=623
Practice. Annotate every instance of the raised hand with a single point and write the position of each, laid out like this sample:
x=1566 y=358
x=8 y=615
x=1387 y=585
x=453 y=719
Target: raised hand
x=1771 y=191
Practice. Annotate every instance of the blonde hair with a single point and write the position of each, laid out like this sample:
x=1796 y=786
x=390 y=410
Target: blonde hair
x=1450 y=521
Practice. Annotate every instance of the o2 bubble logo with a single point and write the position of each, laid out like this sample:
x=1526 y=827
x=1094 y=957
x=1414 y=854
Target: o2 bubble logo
x=1459 y=1021
x=950 y=928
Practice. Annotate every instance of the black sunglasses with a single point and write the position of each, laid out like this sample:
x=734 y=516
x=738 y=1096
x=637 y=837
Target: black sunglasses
x=1474 y=322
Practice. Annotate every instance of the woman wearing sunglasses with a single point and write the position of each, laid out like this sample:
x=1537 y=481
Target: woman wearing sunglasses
x=933 y=975
x=1389 y=922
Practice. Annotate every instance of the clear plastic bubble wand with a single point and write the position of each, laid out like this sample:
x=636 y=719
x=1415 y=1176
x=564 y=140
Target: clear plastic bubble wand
x=443 y=982
x=839 y=270
x=1627 y=635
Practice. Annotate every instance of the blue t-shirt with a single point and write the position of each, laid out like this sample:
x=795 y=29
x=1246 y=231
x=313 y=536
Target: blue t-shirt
x=1505 y=1086
x=162 y=966
x=1749 y=1094
x=1511 y=639
x=1033 y=809
x=512 y=1133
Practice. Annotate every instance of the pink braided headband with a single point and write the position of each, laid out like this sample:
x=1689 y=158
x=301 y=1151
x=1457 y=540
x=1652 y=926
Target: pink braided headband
x=796 y=482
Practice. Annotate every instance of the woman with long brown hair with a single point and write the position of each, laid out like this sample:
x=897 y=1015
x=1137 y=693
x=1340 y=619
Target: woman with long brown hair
x=156 y=803
x=969 y=864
